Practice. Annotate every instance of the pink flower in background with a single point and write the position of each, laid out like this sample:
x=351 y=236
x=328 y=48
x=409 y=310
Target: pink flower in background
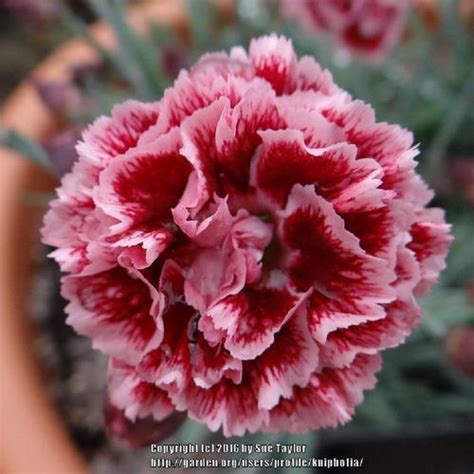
x=35 y=11
x=244 y=248
x=368 y=28
x=459 y=349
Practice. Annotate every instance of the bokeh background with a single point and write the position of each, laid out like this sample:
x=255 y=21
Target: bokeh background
x=420 y=417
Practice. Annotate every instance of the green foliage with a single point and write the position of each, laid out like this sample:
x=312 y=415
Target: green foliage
x=447 y=307
x=25 y=147
x=134 y=54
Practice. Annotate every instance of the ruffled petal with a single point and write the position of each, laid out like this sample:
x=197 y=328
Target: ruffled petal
x=342 y=346
x=377 y=229
x=141 y=246
x=431 y=242
x=138 y=399
x=326 y=314
x=144 y=184
x=285 y=160
x=252 y=318
x=69 y=219
x=390 y=145
x=168 y=365
x=112 y=136
x=227 y=405
x=310 y=76
x=237 y=136
x=328 y=400
x=214 y=274
x=209 y=227
x=274 y=60
x=288 y=362
x=211 y=363
x=323 y=255
x=198 y=140
x=120 y=312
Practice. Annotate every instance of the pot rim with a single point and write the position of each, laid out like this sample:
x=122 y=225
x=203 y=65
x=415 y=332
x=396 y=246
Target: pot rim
x=35 y=435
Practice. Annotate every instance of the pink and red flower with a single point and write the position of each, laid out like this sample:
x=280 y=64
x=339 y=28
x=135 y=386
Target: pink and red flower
x=368 y=28
x=246 y=247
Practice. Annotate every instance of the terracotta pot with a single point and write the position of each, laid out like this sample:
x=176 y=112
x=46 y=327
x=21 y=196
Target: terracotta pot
x=32 y=436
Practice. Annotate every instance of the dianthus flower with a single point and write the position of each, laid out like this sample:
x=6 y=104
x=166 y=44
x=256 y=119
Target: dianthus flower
x=244 y=248
x=368 y=28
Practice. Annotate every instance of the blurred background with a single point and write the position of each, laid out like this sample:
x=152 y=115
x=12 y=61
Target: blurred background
x=420 y=417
